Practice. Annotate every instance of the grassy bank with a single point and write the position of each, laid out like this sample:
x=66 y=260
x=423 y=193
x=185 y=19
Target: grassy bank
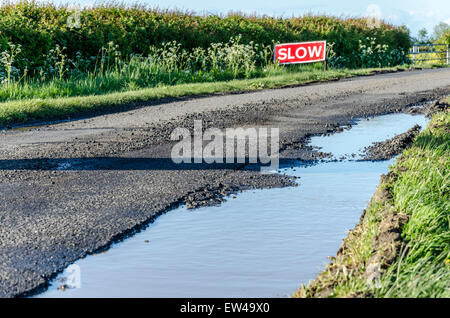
x=401 y=248
x=22 y=111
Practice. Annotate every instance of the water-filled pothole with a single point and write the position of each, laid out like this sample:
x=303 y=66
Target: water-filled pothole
x=263 y=243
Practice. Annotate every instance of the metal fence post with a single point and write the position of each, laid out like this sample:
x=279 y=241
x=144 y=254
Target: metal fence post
x=447 y=54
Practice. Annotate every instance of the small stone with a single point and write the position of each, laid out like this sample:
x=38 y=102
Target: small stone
x=63 y=287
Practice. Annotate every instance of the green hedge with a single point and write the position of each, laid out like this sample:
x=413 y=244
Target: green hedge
x=39 y=27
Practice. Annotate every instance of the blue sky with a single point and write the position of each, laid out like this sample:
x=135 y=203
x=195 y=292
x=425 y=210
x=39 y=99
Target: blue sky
x=416 y=14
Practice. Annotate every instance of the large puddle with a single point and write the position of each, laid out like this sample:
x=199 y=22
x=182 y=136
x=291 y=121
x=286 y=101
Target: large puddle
x=264 y=243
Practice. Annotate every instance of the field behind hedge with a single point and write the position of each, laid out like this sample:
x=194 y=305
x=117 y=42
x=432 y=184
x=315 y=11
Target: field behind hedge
x=39 y=27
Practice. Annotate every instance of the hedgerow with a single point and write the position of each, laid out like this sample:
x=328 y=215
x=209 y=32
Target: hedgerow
x=41 y=27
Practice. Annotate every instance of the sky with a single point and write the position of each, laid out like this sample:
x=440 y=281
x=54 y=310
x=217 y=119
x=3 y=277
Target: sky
x=415 y=14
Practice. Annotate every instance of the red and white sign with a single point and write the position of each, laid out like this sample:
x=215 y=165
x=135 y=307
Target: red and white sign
x=304 y=52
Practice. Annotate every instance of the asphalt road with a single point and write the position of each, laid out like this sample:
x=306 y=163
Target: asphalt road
x=71 y=188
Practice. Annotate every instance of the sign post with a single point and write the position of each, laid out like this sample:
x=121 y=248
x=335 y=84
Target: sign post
x=303 y=52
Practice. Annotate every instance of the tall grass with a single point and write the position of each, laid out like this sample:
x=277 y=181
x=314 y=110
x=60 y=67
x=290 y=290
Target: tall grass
x=170 y=64
x=423 y=192
x=110 y=72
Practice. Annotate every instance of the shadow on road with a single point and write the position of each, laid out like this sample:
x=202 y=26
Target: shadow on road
x=117 y=163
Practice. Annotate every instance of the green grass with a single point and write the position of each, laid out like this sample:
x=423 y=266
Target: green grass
x=133 y=76
x=430 y=65
x=26 y=110
x=422 y=191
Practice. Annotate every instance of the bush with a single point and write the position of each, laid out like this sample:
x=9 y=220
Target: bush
x=136 y=30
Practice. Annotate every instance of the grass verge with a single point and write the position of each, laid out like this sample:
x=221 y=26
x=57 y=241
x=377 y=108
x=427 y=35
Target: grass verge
x=23 y=111
x=401 y=247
